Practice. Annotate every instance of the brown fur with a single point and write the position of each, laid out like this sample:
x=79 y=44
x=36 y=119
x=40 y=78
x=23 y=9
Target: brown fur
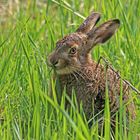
x=76 y=70
x=89 y=83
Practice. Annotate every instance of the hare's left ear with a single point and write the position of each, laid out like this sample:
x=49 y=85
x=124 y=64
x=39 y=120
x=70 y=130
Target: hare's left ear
x=89 y=23
x=105 y=31
x=101 y=34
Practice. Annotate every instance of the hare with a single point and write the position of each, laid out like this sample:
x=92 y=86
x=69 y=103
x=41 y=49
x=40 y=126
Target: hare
x=76 y=70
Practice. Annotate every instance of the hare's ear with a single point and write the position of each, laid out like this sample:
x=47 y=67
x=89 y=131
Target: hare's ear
x=89 y=23
x=102 y=33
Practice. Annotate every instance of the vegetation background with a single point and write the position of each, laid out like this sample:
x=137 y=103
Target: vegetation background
x=28 y=32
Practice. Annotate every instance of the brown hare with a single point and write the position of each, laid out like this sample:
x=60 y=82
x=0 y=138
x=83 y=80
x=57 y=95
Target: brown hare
x=76 y=70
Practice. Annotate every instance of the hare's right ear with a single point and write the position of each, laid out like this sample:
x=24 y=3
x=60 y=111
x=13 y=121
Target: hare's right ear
x=101 y=34
x=89 y=23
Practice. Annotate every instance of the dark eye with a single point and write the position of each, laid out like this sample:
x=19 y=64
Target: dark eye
x=72 y=50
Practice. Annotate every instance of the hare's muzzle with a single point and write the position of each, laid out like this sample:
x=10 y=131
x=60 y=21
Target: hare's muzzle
x=52 y=61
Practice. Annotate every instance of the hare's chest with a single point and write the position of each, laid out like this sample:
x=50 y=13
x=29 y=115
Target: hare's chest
x=78 y=84
x=72 y=84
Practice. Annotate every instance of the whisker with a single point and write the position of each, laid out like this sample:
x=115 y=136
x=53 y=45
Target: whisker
x=75 y=76
x=50 y=70
x=78 y=73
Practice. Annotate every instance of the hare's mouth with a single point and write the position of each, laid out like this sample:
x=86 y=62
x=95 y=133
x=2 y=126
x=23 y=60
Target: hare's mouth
x=65 y=70
x=61 y=66
x=61 y=69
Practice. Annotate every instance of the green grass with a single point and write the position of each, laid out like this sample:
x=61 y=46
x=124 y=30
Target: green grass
x=28 y=36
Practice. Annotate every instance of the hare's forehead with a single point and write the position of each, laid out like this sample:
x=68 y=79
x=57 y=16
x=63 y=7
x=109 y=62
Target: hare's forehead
x=70 y=40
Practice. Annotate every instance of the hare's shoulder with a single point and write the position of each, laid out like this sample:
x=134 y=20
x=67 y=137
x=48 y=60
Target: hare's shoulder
x=93 y=71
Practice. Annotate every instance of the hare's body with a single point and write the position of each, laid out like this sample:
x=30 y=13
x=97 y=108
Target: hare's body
x=72 y=62
x=89 y=84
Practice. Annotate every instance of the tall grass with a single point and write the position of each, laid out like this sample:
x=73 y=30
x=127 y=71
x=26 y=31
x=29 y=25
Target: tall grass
x=27 y=36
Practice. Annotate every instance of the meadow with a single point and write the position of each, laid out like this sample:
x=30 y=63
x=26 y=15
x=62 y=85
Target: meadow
x=28 y=33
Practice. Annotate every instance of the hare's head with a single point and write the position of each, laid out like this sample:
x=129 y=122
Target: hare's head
x=73 y=51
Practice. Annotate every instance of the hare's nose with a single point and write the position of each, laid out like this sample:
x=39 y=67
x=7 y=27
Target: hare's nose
x=53 y=61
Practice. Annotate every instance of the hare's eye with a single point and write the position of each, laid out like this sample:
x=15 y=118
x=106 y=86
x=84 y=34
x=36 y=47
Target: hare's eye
x=72 y=50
